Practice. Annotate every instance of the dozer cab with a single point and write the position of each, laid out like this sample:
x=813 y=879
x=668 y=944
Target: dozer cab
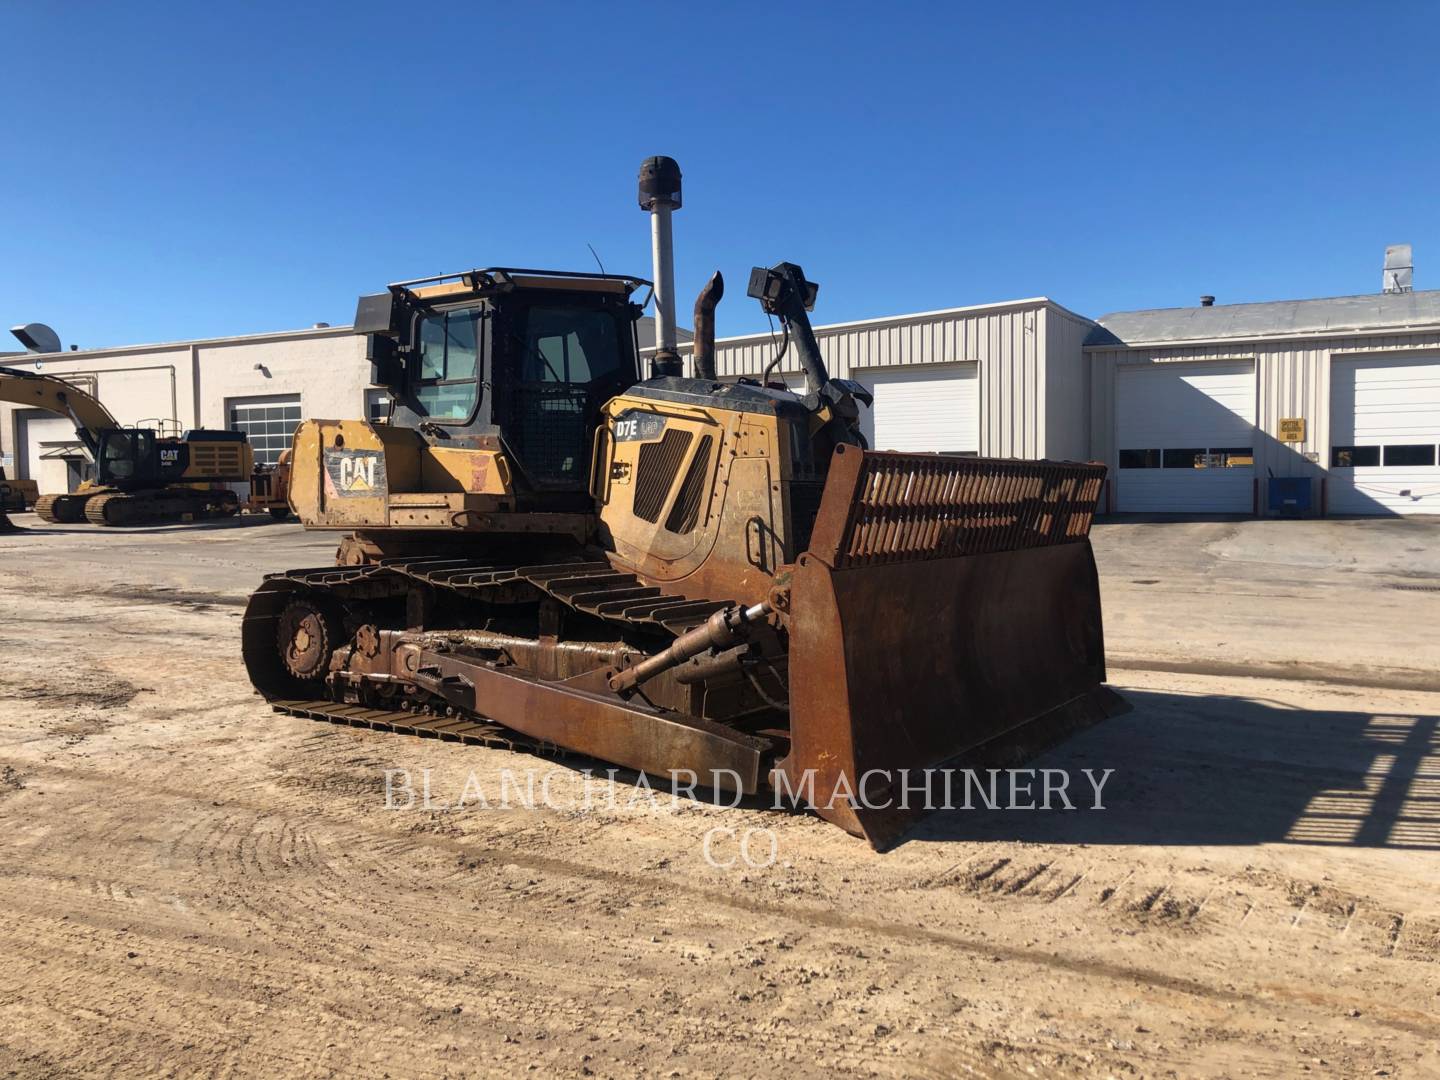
x=140 y=477
x=701 y=580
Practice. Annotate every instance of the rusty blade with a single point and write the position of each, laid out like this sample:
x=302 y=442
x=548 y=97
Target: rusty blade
x=882 y=507
x=947 y=607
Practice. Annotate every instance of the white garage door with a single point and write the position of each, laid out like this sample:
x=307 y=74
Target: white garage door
x=1384 y=430
x=42 y=432
x=921 y=409
x=1186 y=438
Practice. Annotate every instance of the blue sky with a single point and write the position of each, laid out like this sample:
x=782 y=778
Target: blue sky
x=190 y=170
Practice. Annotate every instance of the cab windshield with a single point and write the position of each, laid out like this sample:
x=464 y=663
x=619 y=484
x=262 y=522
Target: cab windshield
x=571 y=359
x=575 y=346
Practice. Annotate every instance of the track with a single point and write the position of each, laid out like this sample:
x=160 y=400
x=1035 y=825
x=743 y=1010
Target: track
x=60 y=509
x=592 y=590
x=159 y=507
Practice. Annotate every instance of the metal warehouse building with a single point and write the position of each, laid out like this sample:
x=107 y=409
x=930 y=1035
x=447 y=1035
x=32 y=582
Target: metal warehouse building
x=1194 y=409
x=1003 y=380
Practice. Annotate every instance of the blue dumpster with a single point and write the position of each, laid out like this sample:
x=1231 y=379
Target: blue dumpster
x=1290 y=495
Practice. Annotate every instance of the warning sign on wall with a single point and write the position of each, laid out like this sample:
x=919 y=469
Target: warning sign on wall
x=1292 y=429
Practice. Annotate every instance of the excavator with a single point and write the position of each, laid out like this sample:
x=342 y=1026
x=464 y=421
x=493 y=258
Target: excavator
x=706 y=581
x=141 y=477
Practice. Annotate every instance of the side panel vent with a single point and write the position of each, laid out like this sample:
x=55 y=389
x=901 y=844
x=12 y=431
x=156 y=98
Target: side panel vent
x=655 y=472
x=686 y=511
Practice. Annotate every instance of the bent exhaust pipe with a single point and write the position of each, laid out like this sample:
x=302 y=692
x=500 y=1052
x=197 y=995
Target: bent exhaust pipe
x=705 y=303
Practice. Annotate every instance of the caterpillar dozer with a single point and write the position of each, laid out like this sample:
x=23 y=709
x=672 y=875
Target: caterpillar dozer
x=692 y=578
x=141 y=477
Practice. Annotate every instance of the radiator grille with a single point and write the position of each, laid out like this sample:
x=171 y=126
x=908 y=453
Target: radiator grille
x=686 y=511
x=655 y=472
x=887 y=507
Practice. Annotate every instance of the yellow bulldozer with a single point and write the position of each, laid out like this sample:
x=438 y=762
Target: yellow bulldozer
x=679 y=575
x=141 y=477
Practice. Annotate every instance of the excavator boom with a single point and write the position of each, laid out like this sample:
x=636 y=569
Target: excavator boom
x=35 y=391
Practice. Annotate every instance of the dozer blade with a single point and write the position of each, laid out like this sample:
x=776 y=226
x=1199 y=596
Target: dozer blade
x=946 y=613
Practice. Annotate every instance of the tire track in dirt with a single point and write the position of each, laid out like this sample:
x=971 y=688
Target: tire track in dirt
x=360 y=836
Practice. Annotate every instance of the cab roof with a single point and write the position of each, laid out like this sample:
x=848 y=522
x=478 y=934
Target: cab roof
x=504 y=279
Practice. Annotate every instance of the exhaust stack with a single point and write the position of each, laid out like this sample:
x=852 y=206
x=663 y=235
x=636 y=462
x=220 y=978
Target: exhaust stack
x=705 y=303
x=659 y=196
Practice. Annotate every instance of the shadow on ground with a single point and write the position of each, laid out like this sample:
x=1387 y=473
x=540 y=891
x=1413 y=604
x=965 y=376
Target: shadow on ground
x=1198 y=769
x=30 y=523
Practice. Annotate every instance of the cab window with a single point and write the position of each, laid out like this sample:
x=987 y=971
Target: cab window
x=123 y=452
x=446 y=387
x=569 y=345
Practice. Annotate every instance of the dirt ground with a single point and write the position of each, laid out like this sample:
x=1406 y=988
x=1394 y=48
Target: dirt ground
x=191 y=884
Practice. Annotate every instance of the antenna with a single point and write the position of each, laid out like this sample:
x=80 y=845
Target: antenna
x=597 y=257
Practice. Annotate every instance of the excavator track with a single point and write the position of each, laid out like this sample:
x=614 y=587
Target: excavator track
x=61 y=509
x=155 y=508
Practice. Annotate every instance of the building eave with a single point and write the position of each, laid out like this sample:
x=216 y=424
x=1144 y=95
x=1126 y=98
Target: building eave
x=1240 y=341
x=179 y=346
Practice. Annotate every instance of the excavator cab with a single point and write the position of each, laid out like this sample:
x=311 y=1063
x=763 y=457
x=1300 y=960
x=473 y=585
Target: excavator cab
x=128 y=458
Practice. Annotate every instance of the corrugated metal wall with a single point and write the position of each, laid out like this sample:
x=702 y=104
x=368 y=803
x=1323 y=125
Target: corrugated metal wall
x=1067 y=386
x=1031 y=364
x=1292 y=380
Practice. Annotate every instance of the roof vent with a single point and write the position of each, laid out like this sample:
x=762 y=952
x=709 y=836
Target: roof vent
x=37 y=337
x=1399 y=269
x=1207 y=301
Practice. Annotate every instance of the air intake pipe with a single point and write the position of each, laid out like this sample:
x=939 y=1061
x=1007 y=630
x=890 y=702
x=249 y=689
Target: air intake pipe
x=705 y=303
x=659 y=192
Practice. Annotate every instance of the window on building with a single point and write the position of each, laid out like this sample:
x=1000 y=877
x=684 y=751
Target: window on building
x=1190 y=458
x=1231 y=457
x=269 y=423
x=1139 y=459
x=377 y=405
x=1409 y=456
x=1354 y=457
